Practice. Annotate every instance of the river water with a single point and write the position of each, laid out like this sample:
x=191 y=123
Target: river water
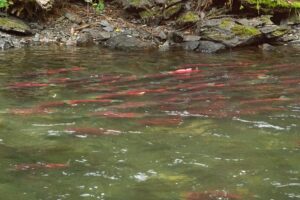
x=99 y=124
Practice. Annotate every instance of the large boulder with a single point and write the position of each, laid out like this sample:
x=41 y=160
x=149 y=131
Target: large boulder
x=14 y=25
x=128 y=42
x=240 y=32
x=271 y=6
x=228 y=32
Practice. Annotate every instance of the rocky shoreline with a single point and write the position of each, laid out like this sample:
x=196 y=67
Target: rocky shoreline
x=114 y=30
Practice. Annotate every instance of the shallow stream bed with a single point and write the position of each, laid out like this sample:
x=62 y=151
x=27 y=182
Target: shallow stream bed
x=99 y=124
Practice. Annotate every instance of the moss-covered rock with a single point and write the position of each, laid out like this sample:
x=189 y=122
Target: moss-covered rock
x=273 y=4
x=9 y=24
x=136 y=4
x=172 y=10
x=188 y=18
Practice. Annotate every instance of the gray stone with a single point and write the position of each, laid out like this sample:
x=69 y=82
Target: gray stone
x=210 y=47
x=98 y=34
x=267 y=47
x=164 y=47
x=84 y=39
x=104 y=23
x=273 y=31
x=127 y=42
x=190 y=38
x=191 y=45
x=6 y=42
x=73 y=18
x=176 y=37
x=109 y=28
x=229 y=32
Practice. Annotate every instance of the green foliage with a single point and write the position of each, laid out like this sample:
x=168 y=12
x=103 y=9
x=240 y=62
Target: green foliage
x=3 y=4
x=99 y=6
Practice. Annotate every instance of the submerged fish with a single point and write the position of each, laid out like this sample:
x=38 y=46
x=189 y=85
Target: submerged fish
x=111 y=114
x=213 y=195
x=92 y=131
x=40 y=165
x=29 y=111
x=161 y=121
x=22 y=85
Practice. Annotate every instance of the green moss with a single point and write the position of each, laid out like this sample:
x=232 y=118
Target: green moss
x=244 y=30
x=171 y=11
x=275 y=3
x=147 y=14
x=279 y=32
x=188 y=17
x=226 y=23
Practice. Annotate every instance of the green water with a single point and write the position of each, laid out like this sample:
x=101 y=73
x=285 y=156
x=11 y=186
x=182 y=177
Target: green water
x=229 y=124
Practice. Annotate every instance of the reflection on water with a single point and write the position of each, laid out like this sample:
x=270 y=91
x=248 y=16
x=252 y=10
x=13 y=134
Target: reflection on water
x=96 y=124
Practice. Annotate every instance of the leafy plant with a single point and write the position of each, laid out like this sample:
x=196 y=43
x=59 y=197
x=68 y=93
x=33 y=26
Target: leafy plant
x=3 y=4
x=99 y=6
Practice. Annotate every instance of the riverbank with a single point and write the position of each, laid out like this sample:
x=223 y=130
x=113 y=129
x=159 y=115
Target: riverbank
x=178 y=26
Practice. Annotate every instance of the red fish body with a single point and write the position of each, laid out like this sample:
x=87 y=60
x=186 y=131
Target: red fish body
x=36 y=166
x=111 y=114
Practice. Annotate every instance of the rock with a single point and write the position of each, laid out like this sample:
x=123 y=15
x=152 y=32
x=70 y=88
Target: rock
x=109 y=28
x=269 y=6
x=45 y=4
x=73 y=18
x=6 y=43
x=273 y=31
x=14 y=25
x=229 y=32
x=172 y=11
x=164 y=47
x=104 y=23
x=267 y=47
x=176 y=37
x=136 y=4
x=127 y=42
x=190 y=45
x=84 y=39
x=98 y=34
x=162 y=35
x=187 y=18
x=210 y=47
x=191 y=38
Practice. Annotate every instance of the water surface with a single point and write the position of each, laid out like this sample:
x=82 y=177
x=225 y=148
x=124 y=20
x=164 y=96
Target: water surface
x=99 y=124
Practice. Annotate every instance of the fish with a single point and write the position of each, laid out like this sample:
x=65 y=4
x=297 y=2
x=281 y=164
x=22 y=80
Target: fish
x=123 y=94
x=161 y=121
x=40 y=165
x=127 y=105
x=211 y=195
x=183 y=71
x=22 y=85
x=111 y=114
x=29 y=111
x=266 y=100
x=86 y=101
x=91 y=131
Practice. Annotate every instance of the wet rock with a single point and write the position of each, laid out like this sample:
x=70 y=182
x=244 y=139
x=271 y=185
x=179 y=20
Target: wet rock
x=5 y=43
x=229 y=32
x=267 y=47
x=187 y=18
x=191 y=38
x=14 y=25
x=164 y=47
x=191 y=45
x=176 y=37
x=84 y=39
x=210 y=47
x=109 y=28
x=73 y=18
x=97 y=34
x=136 y=4
x=273 y=31
x=128 y=42
x=269 y=6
